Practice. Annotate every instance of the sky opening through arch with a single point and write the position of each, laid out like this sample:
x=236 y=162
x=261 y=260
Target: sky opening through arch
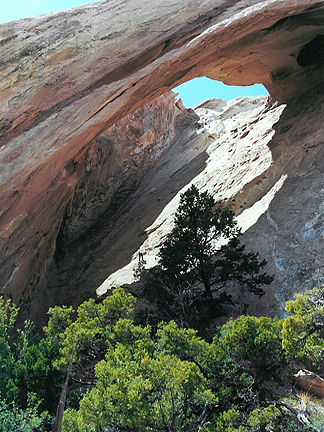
x=199 y=89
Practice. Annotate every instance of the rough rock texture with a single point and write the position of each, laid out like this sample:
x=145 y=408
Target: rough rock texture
x=128 y=175
x=69 y=76
x=234 y=136
x=310 y=382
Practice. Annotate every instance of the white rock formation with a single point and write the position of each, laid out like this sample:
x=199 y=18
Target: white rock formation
x=238 y=153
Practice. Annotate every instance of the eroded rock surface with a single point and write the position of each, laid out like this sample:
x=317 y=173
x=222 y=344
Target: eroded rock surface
x=128 y=175
x=67 y=77
x=234 y=136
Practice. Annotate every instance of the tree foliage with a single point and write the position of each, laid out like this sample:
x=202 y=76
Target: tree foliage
x=26 y=362
x=303 y=330
x=255 y=341
x=83 y=338
x=168 y=379
x=142 y=387
x=79 y=334
x=193 y=251
x=8 y=352
x=15 y=419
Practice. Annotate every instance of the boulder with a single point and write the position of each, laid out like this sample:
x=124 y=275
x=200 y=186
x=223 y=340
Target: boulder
x=310 y=382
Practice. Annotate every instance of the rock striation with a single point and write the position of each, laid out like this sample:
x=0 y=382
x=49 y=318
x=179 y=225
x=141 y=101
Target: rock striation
x=127 y=176
x=234 y=135
x=68 y=77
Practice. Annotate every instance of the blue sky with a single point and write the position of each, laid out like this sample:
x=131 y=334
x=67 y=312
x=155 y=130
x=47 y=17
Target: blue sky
x=191 y=92
x=11 y=10
x=199 y=89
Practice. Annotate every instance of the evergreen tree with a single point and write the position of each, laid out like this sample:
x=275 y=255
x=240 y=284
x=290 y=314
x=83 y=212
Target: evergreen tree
x=192 y=252
x=303 y=330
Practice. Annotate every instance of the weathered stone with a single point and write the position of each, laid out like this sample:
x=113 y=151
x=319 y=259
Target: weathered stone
x=310 y=382
x=67 y=77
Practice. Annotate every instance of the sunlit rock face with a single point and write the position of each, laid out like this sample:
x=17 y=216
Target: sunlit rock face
x=234 y=136
x=67 y=77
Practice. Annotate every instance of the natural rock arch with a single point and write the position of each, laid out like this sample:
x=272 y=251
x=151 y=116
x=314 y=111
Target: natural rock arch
x=68 y=76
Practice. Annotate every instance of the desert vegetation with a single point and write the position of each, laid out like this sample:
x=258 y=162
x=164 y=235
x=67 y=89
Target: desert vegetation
x=123 y=375
x=110 y=366
x=200 y=260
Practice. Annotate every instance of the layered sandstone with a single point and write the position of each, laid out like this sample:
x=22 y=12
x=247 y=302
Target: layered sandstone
x=69 y=76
